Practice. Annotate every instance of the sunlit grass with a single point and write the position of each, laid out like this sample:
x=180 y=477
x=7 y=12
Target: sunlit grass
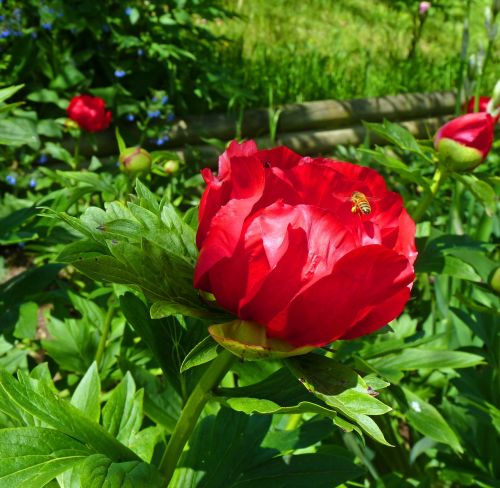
x=342 y=49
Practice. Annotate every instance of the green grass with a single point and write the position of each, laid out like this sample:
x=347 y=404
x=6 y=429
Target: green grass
x=341 y=49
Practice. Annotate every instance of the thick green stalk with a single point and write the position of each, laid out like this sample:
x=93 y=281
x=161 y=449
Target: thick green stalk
x=192 y=410
x=422 y=207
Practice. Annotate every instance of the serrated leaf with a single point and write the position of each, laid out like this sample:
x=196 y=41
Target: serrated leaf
x=427 y=420
x=87 y=394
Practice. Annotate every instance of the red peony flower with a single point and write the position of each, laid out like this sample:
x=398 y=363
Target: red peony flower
x=464 y=142
x=283 y=243
x=89 y=113
x=482 y=107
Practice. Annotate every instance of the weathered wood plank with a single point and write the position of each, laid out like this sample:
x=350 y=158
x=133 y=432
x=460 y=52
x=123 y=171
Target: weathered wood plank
x=325 y=116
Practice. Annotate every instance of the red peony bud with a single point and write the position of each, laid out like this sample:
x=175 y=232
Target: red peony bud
x=464 y=142
x=89 y=113
x=309 y=250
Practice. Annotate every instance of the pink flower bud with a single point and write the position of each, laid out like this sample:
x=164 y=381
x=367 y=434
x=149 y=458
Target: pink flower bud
x=423 y=7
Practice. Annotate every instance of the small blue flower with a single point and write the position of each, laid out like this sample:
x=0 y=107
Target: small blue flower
x=5 y=33
x=51 y=11
x=119 y=73
x=161 y=140
x=118 y=164
x=140 y=52
x=164 y=99
x=154 y=99
x=154 y=114
x=1 y=18
x=130 y=117
x=59 y=14
x=32 y=183
x=128 y=11
x=47 y=25
x=170 y=117
x=11 y=180
x=43 y=159
x=105 y=28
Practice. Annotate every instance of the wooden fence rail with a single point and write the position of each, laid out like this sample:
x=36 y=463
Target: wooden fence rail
x=309 y=128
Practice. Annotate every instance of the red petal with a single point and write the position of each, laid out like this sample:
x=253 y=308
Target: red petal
x=329 y=308
x=380 y=315
x=280 y=157
x=234 y=149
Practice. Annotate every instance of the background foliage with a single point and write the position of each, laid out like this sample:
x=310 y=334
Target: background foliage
x=96 y=267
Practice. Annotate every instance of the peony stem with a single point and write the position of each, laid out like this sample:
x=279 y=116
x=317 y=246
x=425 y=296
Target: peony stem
x=422 y=207
x=192 y=410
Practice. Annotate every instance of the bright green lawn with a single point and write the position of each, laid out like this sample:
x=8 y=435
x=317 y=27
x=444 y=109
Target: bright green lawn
x=316 y=49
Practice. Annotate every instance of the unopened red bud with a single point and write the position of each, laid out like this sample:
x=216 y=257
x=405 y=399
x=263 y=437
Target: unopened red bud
x=464 y=142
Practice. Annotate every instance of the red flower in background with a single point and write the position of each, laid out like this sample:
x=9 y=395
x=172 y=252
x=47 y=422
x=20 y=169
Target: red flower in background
x=464 y=142
x=283 y=244
x=89 y=113
x=482 y=105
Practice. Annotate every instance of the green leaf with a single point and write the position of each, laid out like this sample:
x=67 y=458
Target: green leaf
x=279 y=393
x=396 y=165
x=202 y=353
x=318 y=470
x=307 y=434
x=28 y=399
x=98 y=471
x=426 y=358
x=397 y=135
x=73 y=343
x=86 y=396
x=33 y=456
x=480 y=189
x=27 y=323
x=6 y=93
x=164 y=308
x=18 y=132
x=427 y=420
x=341 y=388
x=119 y=139
x=236 y=458
x=122 y=414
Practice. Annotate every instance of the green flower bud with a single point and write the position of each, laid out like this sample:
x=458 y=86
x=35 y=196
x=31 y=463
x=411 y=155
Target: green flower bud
x=171 y=167
x=457 y=157
x=135 y=160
